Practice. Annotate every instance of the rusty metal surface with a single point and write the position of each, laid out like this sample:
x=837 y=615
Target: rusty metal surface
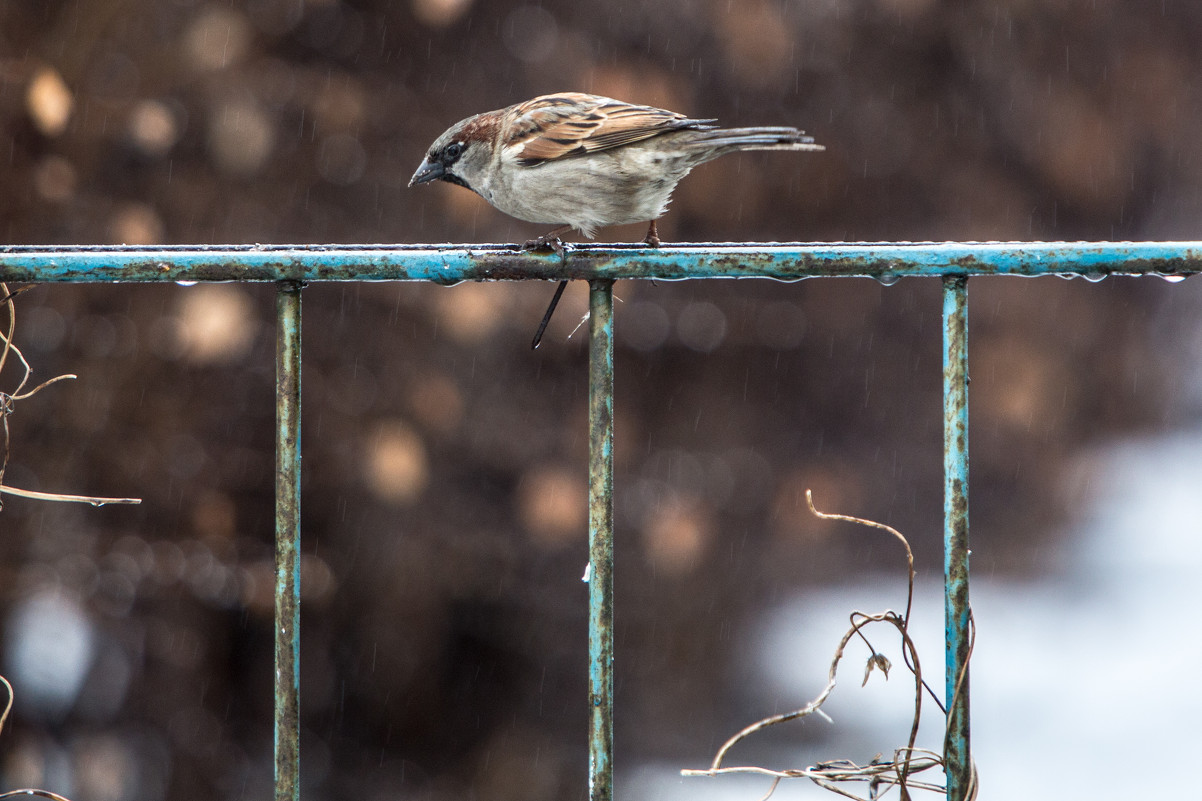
x=601 y=545
x=957 y=753
x=601 y=265
x=453 y=263
x=287 y=543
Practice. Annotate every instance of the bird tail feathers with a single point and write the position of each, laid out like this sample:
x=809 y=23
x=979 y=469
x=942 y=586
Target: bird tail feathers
x=757 y=139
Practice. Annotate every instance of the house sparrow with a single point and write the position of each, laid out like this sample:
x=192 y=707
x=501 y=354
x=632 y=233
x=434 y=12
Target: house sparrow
x=585 y=161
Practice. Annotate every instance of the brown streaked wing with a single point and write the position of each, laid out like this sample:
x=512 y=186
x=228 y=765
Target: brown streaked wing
x=572 y=124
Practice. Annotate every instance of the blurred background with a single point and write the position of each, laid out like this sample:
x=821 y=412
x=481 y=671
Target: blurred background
x=444 y=522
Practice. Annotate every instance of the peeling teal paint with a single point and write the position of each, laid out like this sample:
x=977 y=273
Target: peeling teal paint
x=287 y=542
x=957 y=754
x=601 y=265
x=449 y=264
x=601 y=540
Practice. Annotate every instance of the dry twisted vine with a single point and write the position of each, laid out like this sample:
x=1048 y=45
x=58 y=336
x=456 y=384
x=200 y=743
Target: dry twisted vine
x=880 y=774
x=8 y=401
x=8 y=707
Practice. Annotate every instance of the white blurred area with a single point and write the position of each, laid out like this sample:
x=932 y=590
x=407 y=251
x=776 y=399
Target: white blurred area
x=50 y=647
x=1081 y=679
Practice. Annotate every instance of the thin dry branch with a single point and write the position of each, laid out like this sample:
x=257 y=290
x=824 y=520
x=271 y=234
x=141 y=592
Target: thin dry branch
x=8 y=707
x=57 y=496
x=38 y=793
x=810 y=708
x=880 y=771
x=8 y=406
x=12 y=325
x=873 y=524
x=911 y=573
x=881 y=775
x=41 y=386
x=9 y=295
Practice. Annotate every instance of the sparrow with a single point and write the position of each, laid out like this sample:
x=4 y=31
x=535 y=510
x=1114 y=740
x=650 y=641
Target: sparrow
x=585 y=161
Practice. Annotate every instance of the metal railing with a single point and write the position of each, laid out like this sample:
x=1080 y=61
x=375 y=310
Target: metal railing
x=291 y=267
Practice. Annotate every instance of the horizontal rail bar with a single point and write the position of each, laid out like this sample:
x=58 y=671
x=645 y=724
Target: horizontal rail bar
x=450 y=264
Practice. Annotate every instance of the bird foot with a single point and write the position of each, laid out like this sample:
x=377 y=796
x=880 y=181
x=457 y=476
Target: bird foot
x=652 y=238
x=545 y=242
x=549 y=241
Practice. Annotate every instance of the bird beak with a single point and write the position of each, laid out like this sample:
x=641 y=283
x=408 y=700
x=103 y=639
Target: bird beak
x=429 y=171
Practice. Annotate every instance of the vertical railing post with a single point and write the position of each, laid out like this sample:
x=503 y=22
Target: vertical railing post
x=957 y=756
x=601 y=555
x=287 y=541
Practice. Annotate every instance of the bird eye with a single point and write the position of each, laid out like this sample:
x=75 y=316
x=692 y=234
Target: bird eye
x=452 y=151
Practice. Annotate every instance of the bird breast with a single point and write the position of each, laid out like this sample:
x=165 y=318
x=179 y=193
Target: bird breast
x=627 y=185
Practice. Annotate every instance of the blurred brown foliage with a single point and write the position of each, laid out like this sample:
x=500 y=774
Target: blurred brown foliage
x=444 y=619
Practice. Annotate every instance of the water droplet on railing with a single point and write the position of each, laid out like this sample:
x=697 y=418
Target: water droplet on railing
x=186 y=283
x=887 y=279
x=1174 y=279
